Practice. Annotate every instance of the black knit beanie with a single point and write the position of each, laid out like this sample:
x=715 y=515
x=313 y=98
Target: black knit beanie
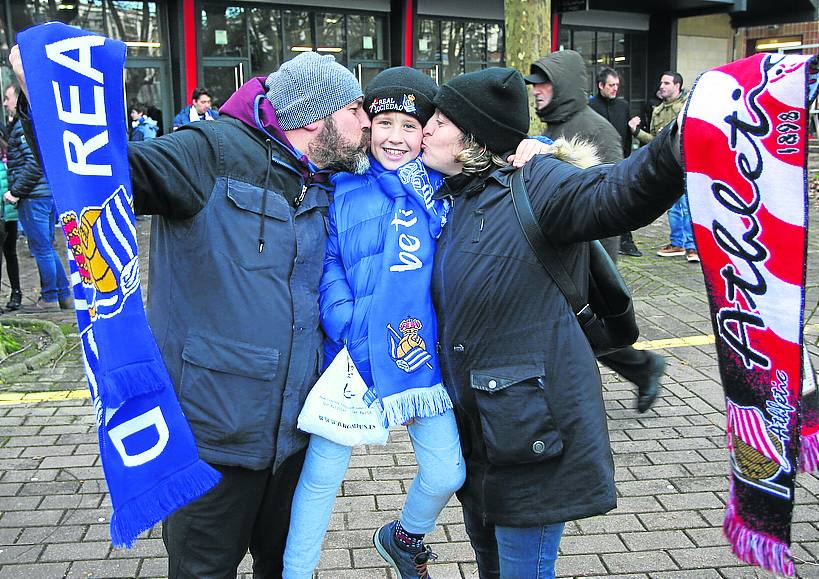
x=401 y=89
x=491 y=104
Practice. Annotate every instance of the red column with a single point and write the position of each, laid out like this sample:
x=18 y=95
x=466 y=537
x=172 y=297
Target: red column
x=555 y=31
x=189 y=34
x=409 y=32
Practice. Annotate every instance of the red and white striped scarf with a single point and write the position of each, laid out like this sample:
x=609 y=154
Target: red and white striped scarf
x=745 y=151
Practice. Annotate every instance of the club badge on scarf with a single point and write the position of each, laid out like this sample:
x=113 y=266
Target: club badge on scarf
x=744 y=147
x=148 y=453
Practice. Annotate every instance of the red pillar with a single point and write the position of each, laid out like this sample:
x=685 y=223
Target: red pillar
x=409 y=32
x=189 y=34
x=555 y=31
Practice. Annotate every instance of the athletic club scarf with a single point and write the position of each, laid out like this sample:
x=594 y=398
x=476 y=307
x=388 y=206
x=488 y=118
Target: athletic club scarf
x=402 y=327
x=744 y=147
x=148 y=453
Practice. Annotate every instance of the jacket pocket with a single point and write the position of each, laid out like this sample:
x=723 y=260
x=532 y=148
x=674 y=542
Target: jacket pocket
x=517 y=422
x=226 y=390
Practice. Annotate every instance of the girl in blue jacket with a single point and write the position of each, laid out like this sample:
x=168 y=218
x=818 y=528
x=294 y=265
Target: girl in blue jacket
x=375 y=299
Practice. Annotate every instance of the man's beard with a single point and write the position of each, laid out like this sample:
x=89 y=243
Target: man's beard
x=330 y=150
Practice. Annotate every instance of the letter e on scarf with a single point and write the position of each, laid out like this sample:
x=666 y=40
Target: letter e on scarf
x=56 y=51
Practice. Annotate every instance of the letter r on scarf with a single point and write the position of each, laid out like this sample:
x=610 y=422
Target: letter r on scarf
x=152 y=418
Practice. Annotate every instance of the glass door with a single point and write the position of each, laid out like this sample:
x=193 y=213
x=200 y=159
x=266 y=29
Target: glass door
x=223 y=76
x=147 y=82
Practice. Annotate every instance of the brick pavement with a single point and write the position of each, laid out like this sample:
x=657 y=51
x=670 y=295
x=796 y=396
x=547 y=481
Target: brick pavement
x=671 y=467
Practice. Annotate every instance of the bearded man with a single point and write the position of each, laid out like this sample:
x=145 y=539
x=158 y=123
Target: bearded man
x=237 y=248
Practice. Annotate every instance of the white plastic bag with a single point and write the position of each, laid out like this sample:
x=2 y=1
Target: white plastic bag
x=336 y=410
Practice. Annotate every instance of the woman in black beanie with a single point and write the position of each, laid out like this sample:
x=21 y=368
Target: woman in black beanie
x=524 y=380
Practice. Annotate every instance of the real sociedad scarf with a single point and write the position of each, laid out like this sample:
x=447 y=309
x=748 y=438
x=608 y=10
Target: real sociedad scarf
x=148 y=453
x=744 y=147
x=402 y=326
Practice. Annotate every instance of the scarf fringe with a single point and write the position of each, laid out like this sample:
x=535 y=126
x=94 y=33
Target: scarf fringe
x=809 y=453
x=415 y=403
x=120 y=384
x=756 y=548
x=144 y=511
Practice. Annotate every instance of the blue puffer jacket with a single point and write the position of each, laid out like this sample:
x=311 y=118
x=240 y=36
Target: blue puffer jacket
x=26 y=178
x=359 y=217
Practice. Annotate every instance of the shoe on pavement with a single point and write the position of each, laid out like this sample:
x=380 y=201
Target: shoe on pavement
x=692 y=256
x=406 y=564
x=628 y=247
x=647 y=392
x=15 y=301
x=66 y=303
x=670 y=251
x=41 y=306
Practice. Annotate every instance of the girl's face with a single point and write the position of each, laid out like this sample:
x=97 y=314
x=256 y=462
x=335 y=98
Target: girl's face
x=443 y=141
x=395 y=139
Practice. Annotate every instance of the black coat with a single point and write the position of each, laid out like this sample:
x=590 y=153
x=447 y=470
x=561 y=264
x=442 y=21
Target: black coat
x=525 y=383
x=615 y=111
x=26 y=178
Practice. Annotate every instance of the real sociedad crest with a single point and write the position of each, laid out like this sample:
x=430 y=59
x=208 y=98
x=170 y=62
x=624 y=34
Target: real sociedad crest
x=408 y=349
x=103 y=243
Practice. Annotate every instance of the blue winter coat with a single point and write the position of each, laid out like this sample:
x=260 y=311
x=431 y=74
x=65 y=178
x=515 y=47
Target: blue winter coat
x=358 y=220
x=26 y=178
x=145 y=129
x=183 y=117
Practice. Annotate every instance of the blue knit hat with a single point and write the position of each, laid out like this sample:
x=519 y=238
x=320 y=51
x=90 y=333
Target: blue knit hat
x=310 y=87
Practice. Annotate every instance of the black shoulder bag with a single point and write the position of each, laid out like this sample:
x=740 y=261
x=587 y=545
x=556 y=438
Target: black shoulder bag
x=607 y=315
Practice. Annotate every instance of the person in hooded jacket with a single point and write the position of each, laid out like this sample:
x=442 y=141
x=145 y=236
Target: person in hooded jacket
x=143 y=128
x=366 y=291
x=558 y=84
x=520 y=371
x=237 y=245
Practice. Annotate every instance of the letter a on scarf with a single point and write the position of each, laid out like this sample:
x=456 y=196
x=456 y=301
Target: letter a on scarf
x=148 y=453
x=745 y=151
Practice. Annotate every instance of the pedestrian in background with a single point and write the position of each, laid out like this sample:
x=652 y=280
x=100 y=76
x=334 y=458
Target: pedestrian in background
x=8 y=213
x=616 y=111
x=143 y=128
x=199 y=109
x=29 y=190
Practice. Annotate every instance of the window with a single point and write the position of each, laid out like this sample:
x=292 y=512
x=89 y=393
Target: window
x=447 y=48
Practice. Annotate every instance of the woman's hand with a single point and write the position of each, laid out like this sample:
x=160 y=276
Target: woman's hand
x=10 y=198
x=527 y=149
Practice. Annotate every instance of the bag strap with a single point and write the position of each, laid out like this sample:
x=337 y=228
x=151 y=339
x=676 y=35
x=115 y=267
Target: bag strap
x=545 y=251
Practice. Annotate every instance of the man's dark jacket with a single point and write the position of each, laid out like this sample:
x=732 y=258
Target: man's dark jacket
x=568 y=114
x=524 y=380
x=616 y=112
x=233 y=285
x=26 y=178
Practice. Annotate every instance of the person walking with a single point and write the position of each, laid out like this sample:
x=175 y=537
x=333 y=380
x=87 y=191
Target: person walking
x=521 y=373
x=364 y=291
x=29 y=190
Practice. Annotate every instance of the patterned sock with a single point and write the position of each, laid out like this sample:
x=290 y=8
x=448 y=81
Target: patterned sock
x=410 y=542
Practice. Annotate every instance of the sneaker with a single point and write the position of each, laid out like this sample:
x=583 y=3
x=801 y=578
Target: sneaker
x=406 y=564
x=628 y=247
x=692 y=256
x=670 y=251
x=15 y=301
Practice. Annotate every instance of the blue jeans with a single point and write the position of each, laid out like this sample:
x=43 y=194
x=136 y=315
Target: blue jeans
x=679 y=220
x=519 y=552
x=441 y=471
x=37 y=215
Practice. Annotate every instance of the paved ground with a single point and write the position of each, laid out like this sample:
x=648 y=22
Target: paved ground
x=671 y=466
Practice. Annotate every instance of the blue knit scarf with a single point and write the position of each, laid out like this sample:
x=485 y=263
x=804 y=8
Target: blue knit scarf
x=148 y=453
x=402 y=326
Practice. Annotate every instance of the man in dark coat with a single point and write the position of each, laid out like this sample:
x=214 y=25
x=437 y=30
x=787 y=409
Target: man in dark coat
x=237 y=248
x=558 y=82
x=617 y=112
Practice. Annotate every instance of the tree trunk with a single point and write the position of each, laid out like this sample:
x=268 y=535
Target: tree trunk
x=528 y=37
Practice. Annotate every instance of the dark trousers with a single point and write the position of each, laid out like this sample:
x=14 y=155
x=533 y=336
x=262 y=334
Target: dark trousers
x=10 y=255
x=248 y=509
